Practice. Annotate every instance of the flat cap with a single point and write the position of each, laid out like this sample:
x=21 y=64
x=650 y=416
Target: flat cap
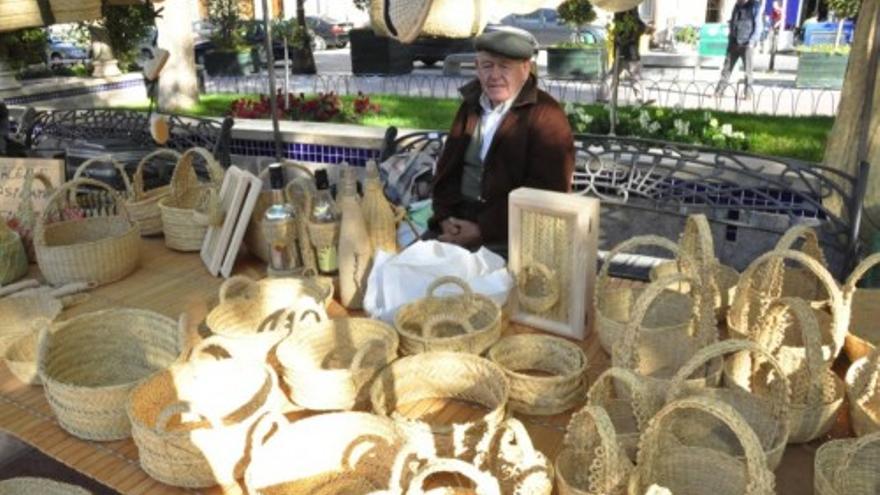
x=511 y=43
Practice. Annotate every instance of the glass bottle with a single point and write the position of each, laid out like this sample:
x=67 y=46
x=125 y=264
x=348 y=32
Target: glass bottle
x=279 y=227
x=325 y=212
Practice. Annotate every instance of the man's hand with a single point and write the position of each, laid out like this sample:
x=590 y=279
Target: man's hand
x=461 y=232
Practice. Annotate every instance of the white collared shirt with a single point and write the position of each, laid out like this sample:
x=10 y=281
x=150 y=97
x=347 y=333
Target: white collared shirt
x=490 y=120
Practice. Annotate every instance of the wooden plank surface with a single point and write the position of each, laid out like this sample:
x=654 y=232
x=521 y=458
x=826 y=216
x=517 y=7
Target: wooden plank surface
x=169 y=282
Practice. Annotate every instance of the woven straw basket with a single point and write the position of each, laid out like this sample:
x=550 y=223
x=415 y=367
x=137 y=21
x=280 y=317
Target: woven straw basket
x=564 y=362
x=191 y=422
x=41 y=486
x=20 y=312
x=97 y=249
x=816 y=391
x=443 y=375
x=623 y=396
x=405 y=20
x=345 y=452
x=13 y=257
x=753 y=297
x=254 y=239
x=798 y=281
x=692 y=469
x=184 y=227
x=484 y=483
x=537 y=288
x=863 y=394
x=465 y=322
x=718 y=279
x=848 y=466
x=862 y=310
x=330 y=366
x=656 y=356
x=591 y=461
x=767 y=415
x=671 y=315
x=89 y=364
x=144 y=205
x=508 y=454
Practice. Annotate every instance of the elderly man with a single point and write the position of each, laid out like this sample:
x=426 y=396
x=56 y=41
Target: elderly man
x=507 y=134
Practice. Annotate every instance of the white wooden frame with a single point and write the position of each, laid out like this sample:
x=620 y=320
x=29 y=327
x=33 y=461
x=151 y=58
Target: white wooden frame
x=238 y=195
x=582 y=215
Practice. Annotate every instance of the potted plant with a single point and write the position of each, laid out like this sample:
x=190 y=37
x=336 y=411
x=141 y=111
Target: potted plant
x=821 y=66
x=373 y=54
x=686 y=39
x=576 y=59
x=230 y=55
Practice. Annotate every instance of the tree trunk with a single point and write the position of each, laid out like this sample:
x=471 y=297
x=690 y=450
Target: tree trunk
x=841 y=151
x=178 y=86
x=303 y=59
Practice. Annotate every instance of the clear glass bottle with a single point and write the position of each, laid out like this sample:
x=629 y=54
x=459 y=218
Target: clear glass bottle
x=324 y=212
x=280 y=227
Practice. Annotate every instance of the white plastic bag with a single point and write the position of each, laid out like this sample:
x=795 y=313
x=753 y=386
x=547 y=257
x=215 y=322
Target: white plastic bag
x=397 y=280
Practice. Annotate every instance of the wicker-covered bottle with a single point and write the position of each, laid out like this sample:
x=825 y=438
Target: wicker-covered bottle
x=378 y=212
x=355 y=250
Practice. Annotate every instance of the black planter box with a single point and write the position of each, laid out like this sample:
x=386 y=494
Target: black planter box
x=223 y=63
x=576 y=63
x=371 y=54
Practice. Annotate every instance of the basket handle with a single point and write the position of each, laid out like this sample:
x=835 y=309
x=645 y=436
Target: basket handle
x=511 y=432
x=741 y=309
x=760 y=478
x=440 y=281
x=596 y=418
x=71 y=187
x=267 y=425
x=486 y=484
x=849 y=288
x=181 y=407
x=434 y=321
x=696 y=240
x=184 y=175
x=782 y=402
x=643 y=406
x=810 y=247
x=236 y=287
x=627 y=246
x=137 y=183
x=200 y=349
x=552 y=281
x=104 y=159
x=865 y=383
x=851 y=452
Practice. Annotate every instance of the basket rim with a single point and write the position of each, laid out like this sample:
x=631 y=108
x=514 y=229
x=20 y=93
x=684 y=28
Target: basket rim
x=41 y=240
x=414 y=305
x=573 y=374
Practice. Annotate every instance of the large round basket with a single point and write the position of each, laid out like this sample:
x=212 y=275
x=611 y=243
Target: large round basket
x=97 y=249
x=562 y=364
x=863 y=394
x=671 y=315
x=862 y=308
x=90 y=363
x=465 y=322
x=144 y=204
x=41 y=486
x=331 y=365
x=848 y=466
x=345 y=452
x=693 y=469
x=591 y=460
x=405 y=20
x=446 y=376
x=255 y=239
x=191 y=422
x=184 y=228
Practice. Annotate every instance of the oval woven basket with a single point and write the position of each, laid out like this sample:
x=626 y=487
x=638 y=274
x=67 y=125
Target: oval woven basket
x=623 y=396
x=443 y=375
x=861 y=305
x=331 y=365
x=89 y=364
x=767 y=414
x=42 y=486
x=97 y=249
x=591 y=460
x=562 y=365
x=613 y=305
x=848 y=466
x=192 y=421
x=816 y=391
x=344 y=452
x=254 y=239
x=405 y=20
x=144 y=204
x=465 y=322
x=13 y=256
x=508 y=454
x=181 y=222
x=755 y=294
x=687 y=469
x=20 y=312
x=863 y=394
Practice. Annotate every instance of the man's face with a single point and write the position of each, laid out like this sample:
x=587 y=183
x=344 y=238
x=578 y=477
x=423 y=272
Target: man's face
x=501 y=77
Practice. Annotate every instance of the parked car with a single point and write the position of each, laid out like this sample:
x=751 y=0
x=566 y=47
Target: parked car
x=60 y=52
x=328 y=31
x=254 y=36
x=550 y=30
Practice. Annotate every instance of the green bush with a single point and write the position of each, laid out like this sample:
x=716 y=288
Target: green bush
x=43 y=71
x=577 y=13
x=24 y=47
x=687 y=35
x=128 y=26
x=225 y=16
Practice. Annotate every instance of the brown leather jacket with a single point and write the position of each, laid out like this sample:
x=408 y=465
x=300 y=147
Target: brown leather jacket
x=533 y=147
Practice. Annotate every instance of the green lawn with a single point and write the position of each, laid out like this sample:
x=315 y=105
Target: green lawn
x=795 y=137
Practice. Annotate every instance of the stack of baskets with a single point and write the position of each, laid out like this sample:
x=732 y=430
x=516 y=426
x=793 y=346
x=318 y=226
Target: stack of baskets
x=182 y=223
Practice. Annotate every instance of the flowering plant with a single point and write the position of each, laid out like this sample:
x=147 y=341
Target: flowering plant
x=323 y=107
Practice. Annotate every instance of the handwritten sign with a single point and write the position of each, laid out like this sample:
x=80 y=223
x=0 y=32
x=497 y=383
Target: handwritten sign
x=12 y=174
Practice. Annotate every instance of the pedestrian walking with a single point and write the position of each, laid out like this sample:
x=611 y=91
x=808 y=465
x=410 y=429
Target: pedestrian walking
x=628 y=31
x=745 y=33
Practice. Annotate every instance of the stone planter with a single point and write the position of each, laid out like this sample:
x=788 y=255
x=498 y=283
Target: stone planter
x=576 y=63
x=821 y=70
x=372 y=54
x=230 y=63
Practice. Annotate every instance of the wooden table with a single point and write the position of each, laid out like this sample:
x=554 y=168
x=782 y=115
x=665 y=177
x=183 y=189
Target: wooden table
x=170 y=283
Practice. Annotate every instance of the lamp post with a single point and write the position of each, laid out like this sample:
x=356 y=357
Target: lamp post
x=270 y=61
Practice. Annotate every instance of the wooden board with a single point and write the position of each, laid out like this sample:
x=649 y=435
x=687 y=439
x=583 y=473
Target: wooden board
x=561 y=232
x=238 y=195
x=12 y=173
